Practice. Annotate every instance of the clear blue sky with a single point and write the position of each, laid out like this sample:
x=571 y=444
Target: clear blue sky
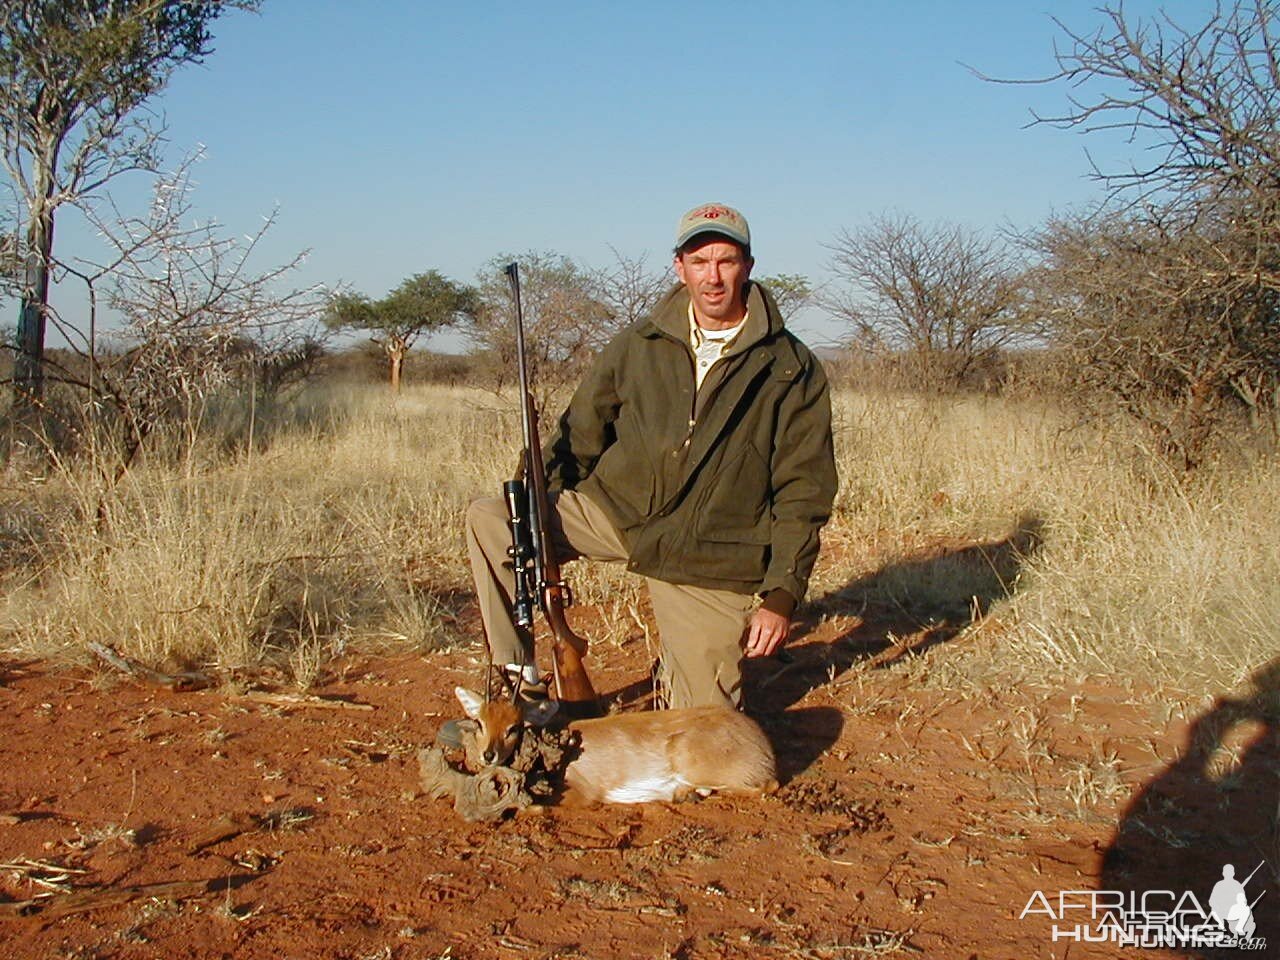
x=397 y=136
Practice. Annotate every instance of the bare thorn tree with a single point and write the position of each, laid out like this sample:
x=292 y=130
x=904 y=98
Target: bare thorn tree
x=1202 y=100
x=1145 y=323
x=628 y=289
x=942 y=300
x=188 y=302
x=1167 y=298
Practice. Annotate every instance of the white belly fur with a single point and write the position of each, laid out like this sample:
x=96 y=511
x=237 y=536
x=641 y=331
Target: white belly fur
x=645 y=790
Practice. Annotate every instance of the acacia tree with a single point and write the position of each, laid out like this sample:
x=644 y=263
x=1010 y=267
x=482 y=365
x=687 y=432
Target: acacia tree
x=945 y=297
x=424 y=302
x=72 y=75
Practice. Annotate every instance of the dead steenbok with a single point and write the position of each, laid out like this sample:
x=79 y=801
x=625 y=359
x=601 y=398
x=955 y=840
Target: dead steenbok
x=637 y=757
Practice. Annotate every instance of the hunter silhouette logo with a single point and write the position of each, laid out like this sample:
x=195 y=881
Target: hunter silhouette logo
x=1156 y=918
x=1230 y=903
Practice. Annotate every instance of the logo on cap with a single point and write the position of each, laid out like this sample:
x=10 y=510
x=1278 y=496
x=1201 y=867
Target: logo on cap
x=714 y=213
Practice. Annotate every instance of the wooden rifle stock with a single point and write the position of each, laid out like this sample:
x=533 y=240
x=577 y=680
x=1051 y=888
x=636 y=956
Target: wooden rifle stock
x=538 y=569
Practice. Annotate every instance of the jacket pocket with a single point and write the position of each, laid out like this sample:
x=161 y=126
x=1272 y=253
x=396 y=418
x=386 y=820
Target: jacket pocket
x=737 y=565
x=629 y=484
x=735 y=508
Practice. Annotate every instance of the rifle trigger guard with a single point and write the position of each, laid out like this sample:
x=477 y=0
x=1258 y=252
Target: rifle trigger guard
x=566 y=593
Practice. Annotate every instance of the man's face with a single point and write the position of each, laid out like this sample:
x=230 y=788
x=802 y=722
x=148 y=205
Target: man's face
x=716 y=274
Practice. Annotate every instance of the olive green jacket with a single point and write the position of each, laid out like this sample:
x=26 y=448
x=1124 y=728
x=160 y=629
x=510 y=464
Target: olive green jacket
x=727 y=488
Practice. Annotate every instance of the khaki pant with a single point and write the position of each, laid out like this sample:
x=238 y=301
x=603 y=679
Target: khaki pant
x=701 y=629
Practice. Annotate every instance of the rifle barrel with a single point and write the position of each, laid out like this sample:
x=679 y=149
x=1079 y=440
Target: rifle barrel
x=526 y=424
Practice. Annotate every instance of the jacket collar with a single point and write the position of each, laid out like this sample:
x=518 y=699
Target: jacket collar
x=671 y=318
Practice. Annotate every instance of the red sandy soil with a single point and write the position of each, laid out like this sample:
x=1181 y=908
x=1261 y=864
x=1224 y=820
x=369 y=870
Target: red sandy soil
x=913 y=820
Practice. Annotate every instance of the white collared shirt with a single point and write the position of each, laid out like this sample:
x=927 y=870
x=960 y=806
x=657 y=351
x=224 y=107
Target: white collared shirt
x=709 y=345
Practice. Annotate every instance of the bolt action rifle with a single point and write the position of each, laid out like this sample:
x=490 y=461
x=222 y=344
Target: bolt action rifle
x=533 y=557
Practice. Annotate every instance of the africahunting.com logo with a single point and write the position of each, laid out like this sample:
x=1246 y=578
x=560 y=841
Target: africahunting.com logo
x=1155 y=918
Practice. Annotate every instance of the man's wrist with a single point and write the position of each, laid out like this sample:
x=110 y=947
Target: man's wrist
x=779 y=601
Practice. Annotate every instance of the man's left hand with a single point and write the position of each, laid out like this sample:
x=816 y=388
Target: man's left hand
x=766 y=633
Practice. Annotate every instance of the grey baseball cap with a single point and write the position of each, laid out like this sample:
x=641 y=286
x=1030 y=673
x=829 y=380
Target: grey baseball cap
x=713 y=218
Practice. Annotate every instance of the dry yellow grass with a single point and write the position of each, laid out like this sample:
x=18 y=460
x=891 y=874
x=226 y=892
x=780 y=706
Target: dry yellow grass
x=343 y=526
x=1137 y=572
x=343 y=529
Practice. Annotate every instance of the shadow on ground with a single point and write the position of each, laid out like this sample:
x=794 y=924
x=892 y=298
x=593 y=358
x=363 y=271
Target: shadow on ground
x=1216 y=806
x=800 y=736
x=903 y=609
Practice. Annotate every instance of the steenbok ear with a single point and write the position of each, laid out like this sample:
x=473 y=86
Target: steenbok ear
x=470 y=700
